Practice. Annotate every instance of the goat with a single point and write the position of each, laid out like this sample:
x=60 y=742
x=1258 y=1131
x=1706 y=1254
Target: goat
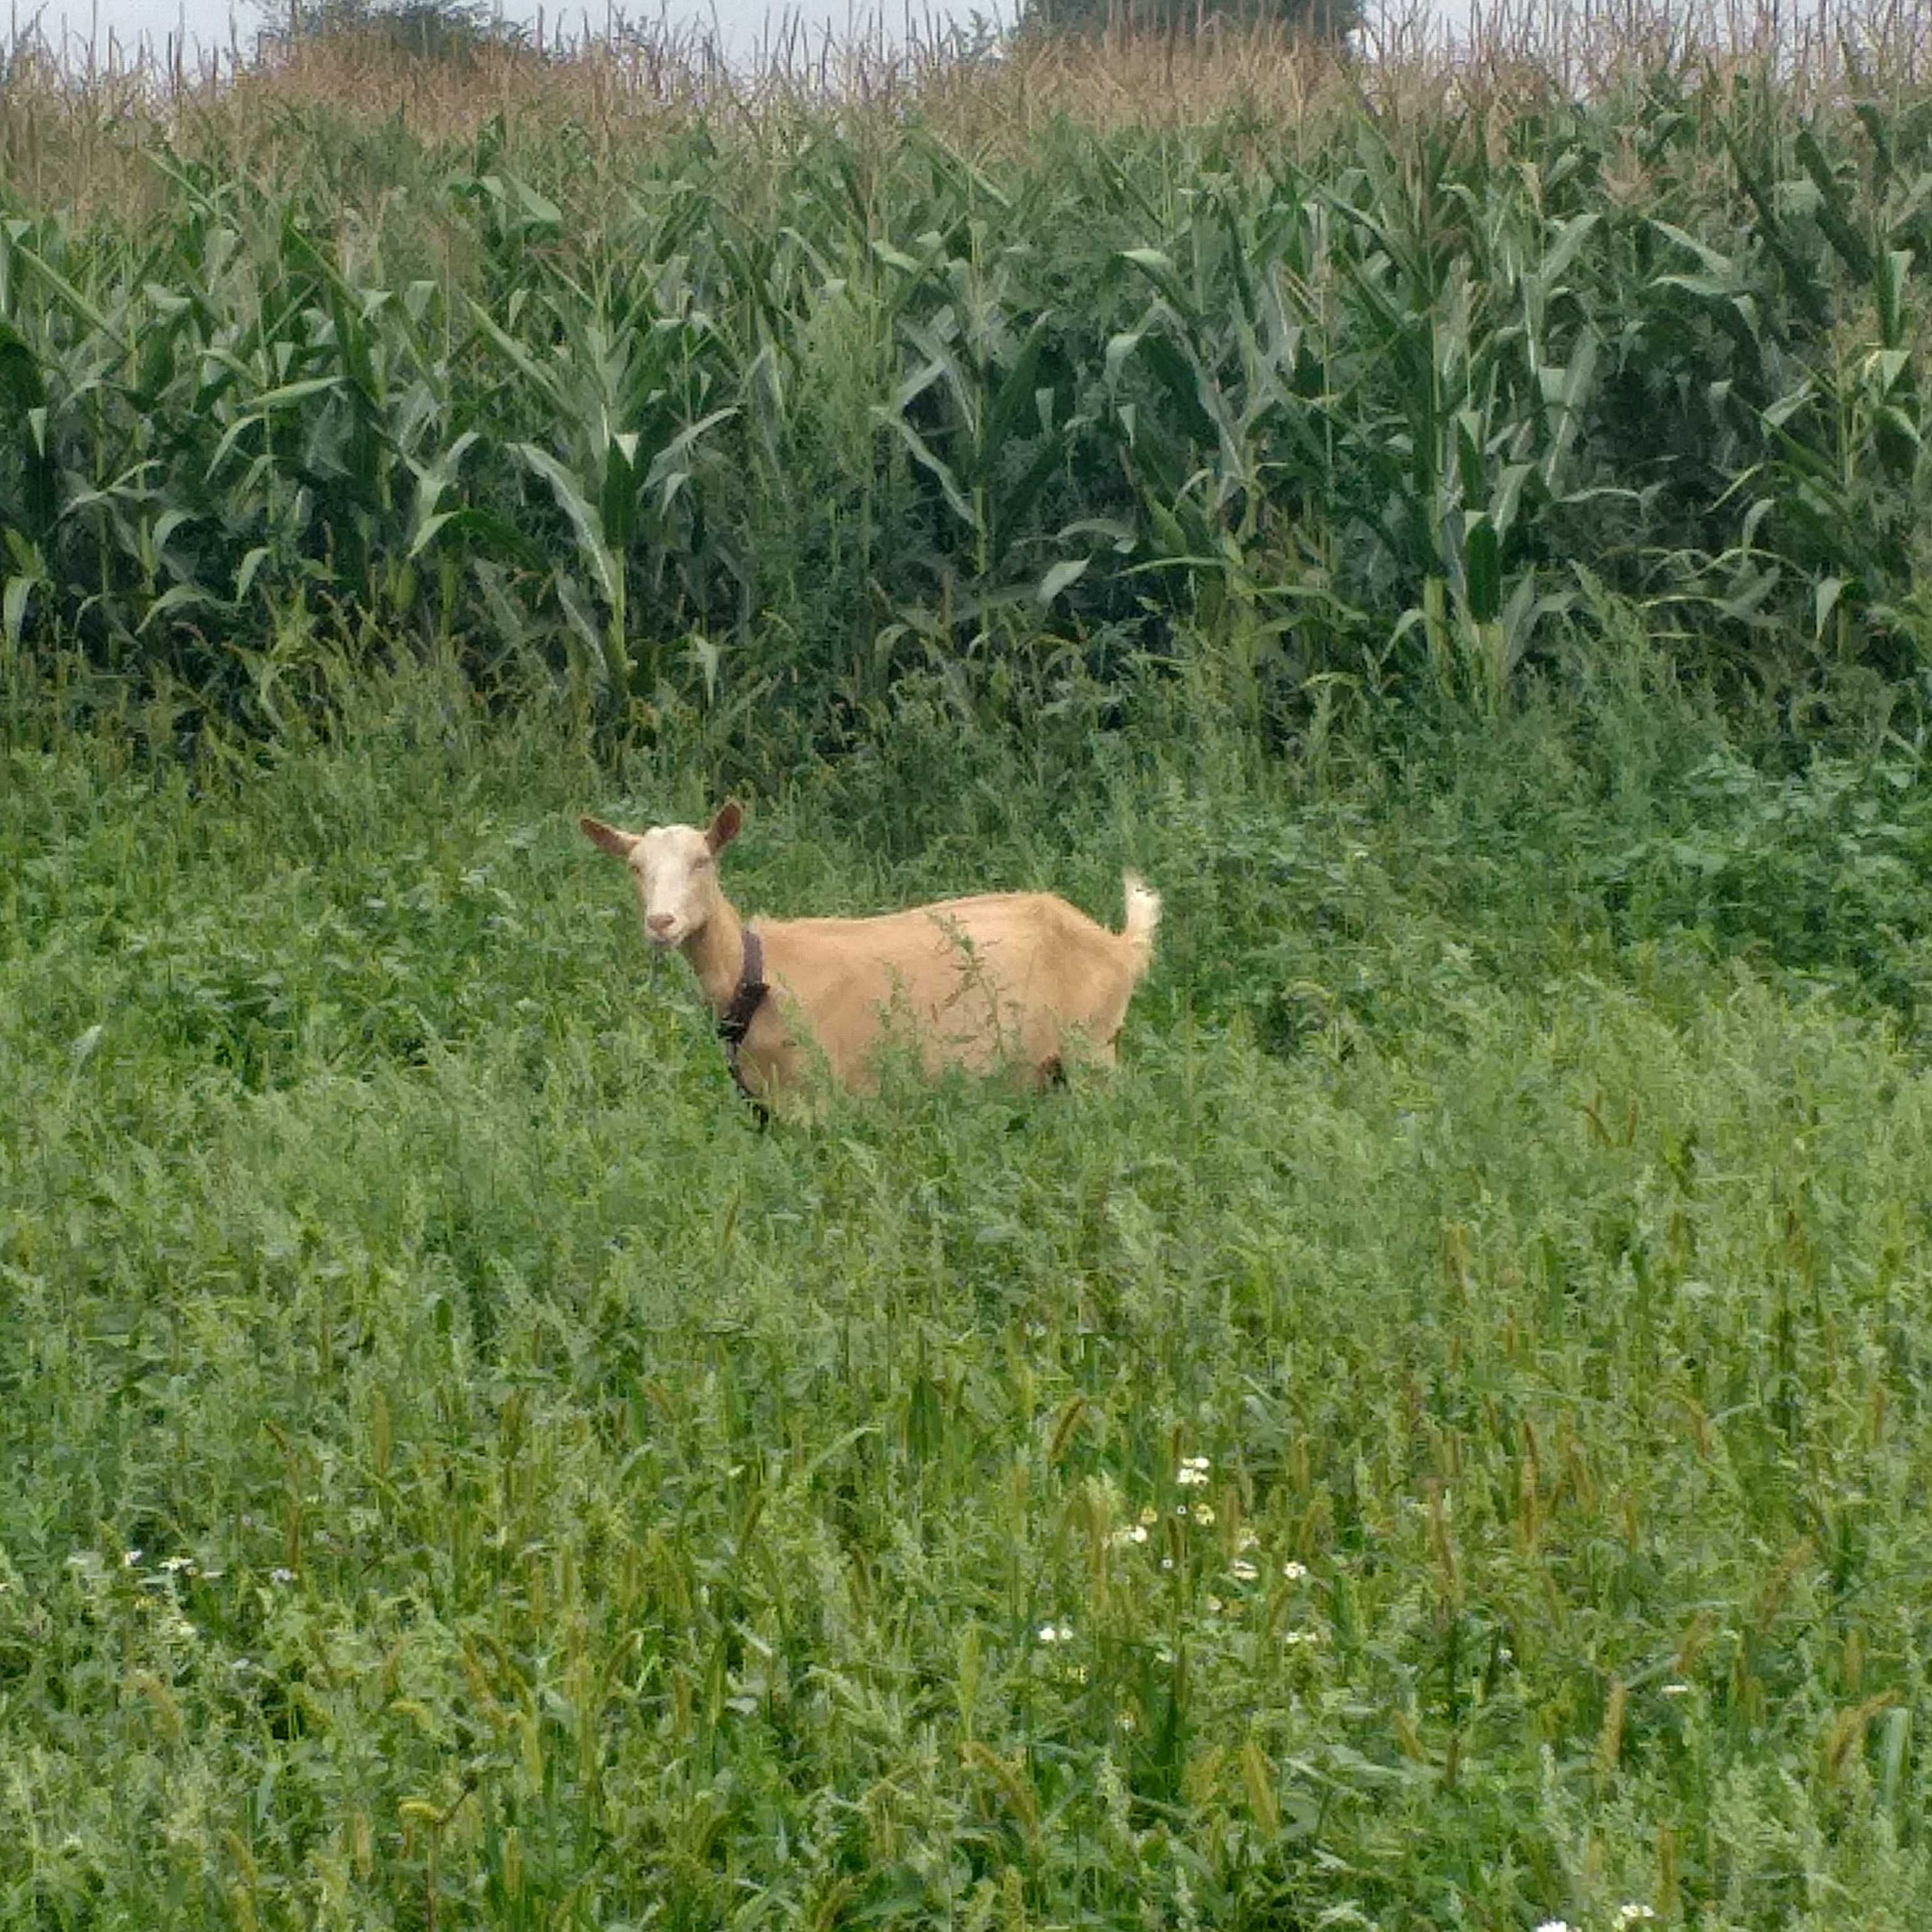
x=1013 y=978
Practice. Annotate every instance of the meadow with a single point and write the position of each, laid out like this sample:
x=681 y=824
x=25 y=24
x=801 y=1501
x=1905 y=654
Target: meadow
x=1438 y=1439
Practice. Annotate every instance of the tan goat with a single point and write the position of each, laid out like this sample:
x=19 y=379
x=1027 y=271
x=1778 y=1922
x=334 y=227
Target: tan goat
x=1018 y=979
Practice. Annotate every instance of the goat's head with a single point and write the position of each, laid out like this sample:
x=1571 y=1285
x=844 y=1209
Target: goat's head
x=674 y=867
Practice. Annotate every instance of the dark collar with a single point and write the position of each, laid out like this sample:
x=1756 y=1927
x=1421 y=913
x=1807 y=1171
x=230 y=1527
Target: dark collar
x=735 y=1022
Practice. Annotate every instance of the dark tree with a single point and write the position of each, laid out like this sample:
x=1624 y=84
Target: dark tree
x=452 y=30
x=1331 y=20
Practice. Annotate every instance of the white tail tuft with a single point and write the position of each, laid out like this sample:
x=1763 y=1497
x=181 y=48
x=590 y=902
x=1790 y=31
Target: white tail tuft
x=1143 y=917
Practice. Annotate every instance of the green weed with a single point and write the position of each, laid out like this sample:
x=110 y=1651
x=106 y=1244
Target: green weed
x=1437 y=1437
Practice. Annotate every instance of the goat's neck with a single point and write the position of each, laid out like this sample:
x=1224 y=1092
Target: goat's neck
x=716 y=951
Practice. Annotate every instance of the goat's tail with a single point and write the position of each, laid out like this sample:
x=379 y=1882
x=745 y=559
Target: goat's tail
x=1143 y=919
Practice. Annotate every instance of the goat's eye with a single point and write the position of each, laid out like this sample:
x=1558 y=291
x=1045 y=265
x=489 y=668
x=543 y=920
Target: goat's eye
x=703 y=860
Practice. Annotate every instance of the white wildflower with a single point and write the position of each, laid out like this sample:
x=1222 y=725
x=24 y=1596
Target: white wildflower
x=1192 y=1473
x=1213 y=1607
x=1632 y=1914
x=279 y=1575
x=1204 y=1513
x=1295 y=1572
x=1554 y=1925
x=1056 y=1632
x=1676 y=1690
x=1242 y=1571
x=129 y=1557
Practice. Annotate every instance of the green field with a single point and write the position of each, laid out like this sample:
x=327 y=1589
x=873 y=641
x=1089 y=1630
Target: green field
x=1438 y=1438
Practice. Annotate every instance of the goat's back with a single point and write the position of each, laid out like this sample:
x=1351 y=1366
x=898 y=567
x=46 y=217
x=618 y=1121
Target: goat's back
x=997 y=976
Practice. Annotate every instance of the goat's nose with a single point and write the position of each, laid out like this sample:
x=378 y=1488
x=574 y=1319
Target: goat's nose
x=660 y=922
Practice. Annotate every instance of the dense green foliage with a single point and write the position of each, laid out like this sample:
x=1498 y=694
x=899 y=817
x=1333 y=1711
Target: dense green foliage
x=461 y=1472
x=767 y=414
x=1439 y=1439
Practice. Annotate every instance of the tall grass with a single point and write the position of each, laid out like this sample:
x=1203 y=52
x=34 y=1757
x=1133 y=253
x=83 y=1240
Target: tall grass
x=1439 y=1439
x=685 y=385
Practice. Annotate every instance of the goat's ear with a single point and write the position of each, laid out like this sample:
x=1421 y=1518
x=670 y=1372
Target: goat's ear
x=608 y=837
x=726 y=826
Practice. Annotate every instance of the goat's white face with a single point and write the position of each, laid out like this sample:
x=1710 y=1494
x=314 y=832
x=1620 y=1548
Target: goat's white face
x=677 y=882
x=675 y=869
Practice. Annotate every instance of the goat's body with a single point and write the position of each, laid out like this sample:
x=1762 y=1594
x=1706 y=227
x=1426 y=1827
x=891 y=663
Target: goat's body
x=1018 y=979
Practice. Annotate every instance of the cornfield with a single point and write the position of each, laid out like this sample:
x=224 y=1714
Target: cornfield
x=1440 y=1439
x=617 y=369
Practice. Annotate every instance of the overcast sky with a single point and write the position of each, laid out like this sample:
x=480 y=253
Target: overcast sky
x=208 y=22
